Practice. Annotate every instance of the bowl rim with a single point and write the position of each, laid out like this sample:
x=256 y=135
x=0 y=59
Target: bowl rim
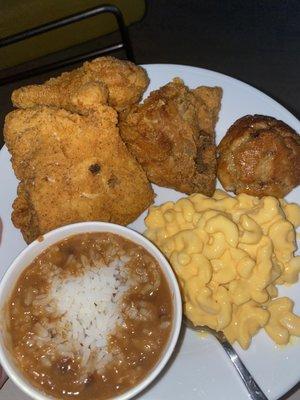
x=66 y=231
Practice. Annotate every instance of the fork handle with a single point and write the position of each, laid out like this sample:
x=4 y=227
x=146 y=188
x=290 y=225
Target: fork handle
x=254 y=390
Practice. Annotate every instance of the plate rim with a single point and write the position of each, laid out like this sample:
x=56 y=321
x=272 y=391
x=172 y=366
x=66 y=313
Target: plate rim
x=231 y=79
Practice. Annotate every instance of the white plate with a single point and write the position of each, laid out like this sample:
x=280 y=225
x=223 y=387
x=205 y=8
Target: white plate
x=200 y=368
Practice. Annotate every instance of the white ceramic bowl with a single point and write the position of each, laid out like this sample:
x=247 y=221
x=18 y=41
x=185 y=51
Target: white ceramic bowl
x=33 y=250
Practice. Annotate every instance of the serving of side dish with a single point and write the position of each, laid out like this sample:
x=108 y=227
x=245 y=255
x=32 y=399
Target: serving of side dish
x=77 y=241
x=199 y=368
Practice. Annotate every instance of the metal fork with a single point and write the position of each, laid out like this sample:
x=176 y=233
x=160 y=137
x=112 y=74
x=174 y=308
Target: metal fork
x=254 y=390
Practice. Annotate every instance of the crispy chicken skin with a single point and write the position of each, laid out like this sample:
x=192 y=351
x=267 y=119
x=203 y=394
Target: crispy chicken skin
x=260 y=156
x=120 y=82
x=172 y=135
x=72 y=168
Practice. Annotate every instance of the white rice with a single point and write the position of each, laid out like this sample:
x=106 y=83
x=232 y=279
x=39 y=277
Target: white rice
x=82 y=311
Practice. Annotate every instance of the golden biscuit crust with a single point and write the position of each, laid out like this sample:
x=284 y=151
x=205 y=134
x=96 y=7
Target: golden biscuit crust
x=260 y=156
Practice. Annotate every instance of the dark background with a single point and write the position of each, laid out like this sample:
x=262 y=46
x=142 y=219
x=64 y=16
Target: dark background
x=256 y=41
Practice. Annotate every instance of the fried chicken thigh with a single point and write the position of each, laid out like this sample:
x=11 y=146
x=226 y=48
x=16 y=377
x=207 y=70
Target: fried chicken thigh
x=172 y=136
x=72 y=168
x=119 y=82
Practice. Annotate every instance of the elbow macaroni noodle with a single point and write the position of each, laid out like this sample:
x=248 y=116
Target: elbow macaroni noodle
x=229 y=253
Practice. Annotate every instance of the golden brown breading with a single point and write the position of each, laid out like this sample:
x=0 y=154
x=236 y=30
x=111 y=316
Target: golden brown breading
x=260 y=156
x=121 y=82
x=72 y=168
x=172 y=136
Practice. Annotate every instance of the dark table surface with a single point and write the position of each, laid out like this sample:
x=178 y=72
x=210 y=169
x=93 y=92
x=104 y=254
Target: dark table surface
x=257 y=41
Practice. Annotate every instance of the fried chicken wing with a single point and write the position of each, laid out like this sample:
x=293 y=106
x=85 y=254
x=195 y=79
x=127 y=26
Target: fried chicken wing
x=172 y=136
x=119 y=82
x=72 y=168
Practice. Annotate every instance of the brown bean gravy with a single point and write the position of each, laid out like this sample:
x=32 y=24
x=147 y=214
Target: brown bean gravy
x=90 y=317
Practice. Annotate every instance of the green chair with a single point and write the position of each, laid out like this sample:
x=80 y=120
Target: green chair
x=20 y=15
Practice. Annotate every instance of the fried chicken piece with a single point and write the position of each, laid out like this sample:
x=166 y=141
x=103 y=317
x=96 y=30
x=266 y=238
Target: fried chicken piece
x=72 y=168
x=119 y=82
x=172 y=136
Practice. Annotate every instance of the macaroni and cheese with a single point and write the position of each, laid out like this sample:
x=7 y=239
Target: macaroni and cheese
x=229 y=254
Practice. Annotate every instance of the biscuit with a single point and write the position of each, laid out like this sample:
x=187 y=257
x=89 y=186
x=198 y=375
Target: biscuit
x=260 y=156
